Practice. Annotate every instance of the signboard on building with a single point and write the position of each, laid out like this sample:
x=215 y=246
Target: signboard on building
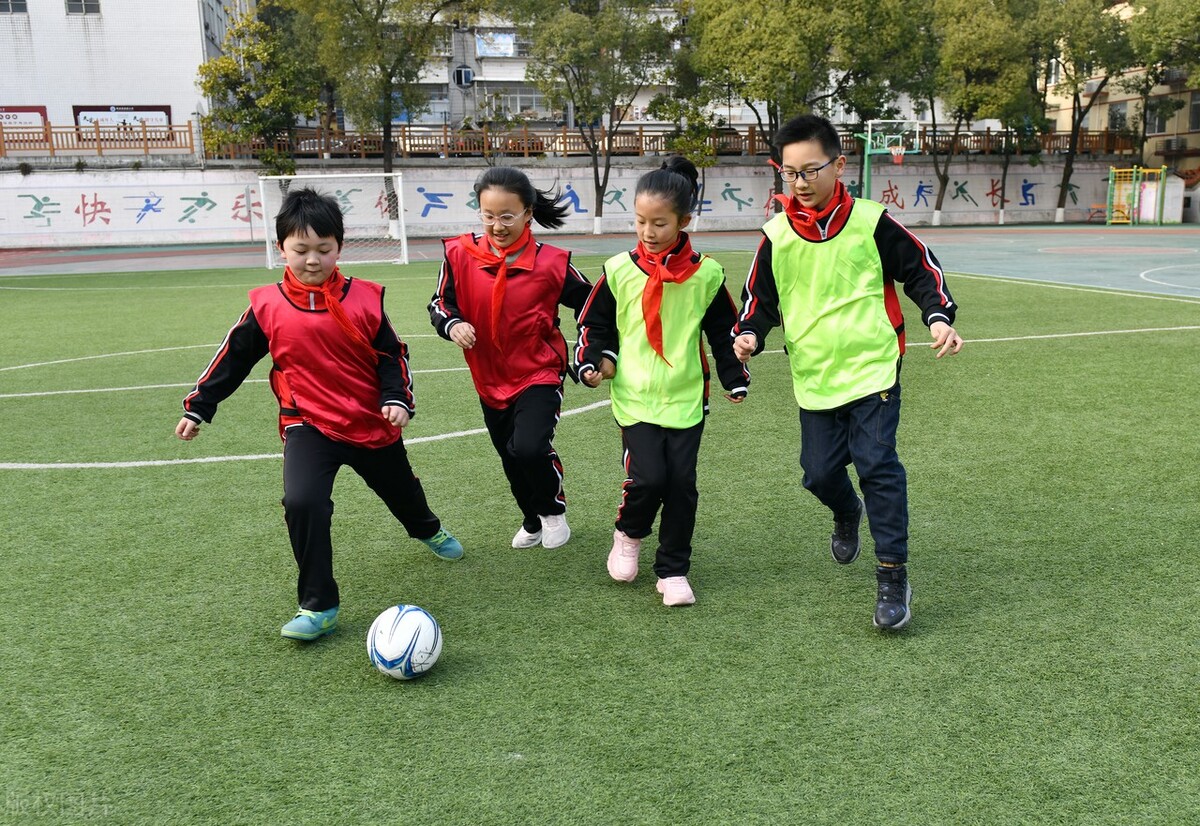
x=120 y=116
x=23 y=117
x=495 y=44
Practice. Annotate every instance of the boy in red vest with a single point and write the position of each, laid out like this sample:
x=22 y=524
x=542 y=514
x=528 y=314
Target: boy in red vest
x=345 y=391
x=827 y=270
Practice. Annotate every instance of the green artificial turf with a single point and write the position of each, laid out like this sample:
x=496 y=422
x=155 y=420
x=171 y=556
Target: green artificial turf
x=1049 y=676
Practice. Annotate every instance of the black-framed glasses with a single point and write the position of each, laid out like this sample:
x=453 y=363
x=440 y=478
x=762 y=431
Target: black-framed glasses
x=790 y=175
x=505 y=220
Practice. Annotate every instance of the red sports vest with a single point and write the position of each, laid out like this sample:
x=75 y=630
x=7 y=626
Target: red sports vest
x=532 y=348
x=319 y=375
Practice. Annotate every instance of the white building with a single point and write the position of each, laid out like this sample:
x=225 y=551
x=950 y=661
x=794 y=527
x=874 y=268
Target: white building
x=116 y=62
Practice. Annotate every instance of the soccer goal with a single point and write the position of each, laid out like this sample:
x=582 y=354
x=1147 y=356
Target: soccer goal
x=373 y=206
x=894 y=138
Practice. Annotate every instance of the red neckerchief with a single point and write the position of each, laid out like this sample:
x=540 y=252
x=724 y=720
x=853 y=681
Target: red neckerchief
x=676 y=267
x=328 y=295
x=481 y=250
x=805 y=221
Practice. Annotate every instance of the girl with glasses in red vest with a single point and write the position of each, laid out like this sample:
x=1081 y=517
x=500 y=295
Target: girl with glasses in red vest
x=497 y=298
x=641 y=328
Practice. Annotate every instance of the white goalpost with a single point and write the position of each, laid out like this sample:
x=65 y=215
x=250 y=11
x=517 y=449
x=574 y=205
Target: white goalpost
x=372 y=205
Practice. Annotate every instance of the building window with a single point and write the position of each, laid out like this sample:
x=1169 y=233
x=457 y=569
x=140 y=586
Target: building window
x=1156 y=122
x=83 y=6
x=13 y=7
x=1117 y=116
x=1194 y=113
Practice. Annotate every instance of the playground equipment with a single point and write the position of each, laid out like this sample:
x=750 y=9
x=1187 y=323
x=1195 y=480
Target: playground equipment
x=1135 y=196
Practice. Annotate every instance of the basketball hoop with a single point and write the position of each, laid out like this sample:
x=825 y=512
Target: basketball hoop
x=897 y=154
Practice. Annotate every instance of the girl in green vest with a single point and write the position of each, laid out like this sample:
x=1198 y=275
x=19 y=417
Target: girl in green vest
x=640 y=328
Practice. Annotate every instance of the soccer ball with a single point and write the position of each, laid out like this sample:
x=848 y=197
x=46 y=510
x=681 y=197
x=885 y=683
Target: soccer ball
x=404 y=641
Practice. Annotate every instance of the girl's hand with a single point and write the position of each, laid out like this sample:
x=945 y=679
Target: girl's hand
x=592 y=378
x=463 y=334
x=187 y=429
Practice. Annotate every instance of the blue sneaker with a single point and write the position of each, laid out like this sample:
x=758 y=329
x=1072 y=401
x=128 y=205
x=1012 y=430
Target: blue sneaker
x=444 y=545
x=308 y=625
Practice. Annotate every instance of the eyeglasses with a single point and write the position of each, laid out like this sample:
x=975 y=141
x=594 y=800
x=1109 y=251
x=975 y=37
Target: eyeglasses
x=505 y=220
x=790 y=175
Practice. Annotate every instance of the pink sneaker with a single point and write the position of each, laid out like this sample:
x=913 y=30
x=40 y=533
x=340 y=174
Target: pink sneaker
x=623 y=558
x=676 y=591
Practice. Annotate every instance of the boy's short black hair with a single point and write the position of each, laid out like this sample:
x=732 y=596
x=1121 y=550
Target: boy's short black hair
x=304 y=209
x=809 y=128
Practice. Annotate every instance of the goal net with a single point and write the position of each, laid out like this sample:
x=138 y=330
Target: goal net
x=372 y=207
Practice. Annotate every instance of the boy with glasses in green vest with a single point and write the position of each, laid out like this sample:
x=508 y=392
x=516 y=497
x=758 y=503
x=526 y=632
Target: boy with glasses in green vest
x=827 y=270
x=641 y=328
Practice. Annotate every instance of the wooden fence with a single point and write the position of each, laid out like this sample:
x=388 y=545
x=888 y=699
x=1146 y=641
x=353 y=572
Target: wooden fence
x=48 y=140
x=444 y=142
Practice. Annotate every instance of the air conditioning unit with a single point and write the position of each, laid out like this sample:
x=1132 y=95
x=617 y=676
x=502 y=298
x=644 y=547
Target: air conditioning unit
x=1172 y=145
x=1091 y=87
x=1175 y=76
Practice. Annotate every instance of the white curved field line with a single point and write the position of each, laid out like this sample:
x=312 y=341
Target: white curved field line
x=247 y=458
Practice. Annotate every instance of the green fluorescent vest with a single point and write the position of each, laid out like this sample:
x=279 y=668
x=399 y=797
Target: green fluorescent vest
x=645 y=388
x=840 y=342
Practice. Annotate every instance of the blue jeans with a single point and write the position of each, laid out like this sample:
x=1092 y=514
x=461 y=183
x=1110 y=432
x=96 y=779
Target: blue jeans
x=862 y=432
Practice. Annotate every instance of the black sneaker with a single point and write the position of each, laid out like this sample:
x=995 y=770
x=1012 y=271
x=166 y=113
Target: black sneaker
x=844 y=544
x=891 y=606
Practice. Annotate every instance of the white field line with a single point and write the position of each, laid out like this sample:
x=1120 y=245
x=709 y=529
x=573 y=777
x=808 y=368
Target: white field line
x=1055 y=285
x=173 y=386
x=251 y=457
x=1084 y=334
x=146 y=352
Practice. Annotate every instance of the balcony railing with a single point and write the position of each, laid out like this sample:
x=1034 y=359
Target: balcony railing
x=140 y=139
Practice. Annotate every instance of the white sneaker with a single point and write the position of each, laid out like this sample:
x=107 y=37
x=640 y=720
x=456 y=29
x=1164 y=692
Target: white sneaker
x=555 y=531
x=676 y=590
x=623 y=558
x=525 y=539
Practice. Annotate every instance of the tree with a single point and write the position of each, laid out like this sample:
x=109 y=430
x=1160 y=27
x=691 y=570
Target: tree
x=1158 y=35
x=688 y=104
x=877 y=45
x=1093 y=46
x=776 y=60
x=593 y=58
x=980 y=70
x=376 y=50
x=259 y=87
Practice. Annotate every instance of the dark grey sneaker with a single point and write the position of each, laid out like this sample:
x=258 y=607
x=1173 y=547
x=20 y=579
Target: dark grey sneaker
x=892 y=611
x=844 y=543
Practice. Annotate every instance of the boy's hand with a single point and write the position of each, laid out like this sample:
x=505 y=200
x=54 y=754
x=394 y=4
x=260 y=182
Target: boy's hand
x=187 y=429
x=463 y=334
x=945 y=339
x=592 y=378
x=395 y=414
x=743 y=346
x=737 y=396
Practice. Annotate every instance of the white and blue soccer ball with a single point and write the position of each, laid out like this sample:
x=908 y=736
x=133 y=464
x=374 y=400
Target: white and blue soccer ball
x=404 y=641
